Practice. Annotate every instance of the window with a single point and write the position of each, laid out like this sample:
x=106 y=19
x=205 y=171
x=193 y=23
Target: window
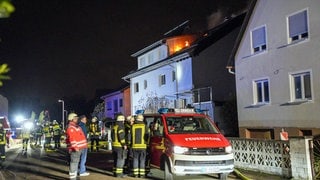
x=298 y=26
x=136 y=87
x=115 y=105
x=300 y=84
x=120 y=102
x=162 y=79
x=145 y=84
x=261 y=91
x=142 y=62
x=109 y=105
x=259 y=39
x=173 y=75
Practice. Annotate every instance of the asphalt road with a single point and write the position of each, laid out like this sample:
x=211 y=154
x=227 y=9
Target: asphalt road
x=38 y=164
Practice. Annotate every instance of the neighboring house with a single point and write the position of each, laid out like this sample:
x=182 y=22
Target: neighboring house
x=185 y=70
x=117 y=102
x=277 y=69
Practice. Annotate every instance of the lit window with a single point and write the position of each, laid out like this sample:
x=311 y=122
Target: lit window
x=136 y=87
x=298 y=26
x=259 y=39
x=162 y=80
x=261 y=91
x=300 y=86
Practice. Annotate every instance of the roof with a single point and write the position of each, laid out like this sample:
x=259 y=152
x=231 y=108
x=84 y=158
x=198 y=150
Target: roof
x=208 y=38
x=230 y=64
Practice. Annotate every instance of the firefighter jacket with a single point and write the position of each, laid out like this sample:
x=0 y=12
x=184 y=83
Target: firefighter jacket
x=94 y=130
x=38 y=130
x=56 y=130
x=2 y=136
x=139 y=135
x=76 y=139
x=47 y=131
x=25 y=133
x=118 y=135
x=127 y=129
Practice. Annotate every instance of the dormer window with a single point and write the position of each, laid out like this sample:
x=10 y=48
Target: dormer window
x=258 y=40
x=298 y=26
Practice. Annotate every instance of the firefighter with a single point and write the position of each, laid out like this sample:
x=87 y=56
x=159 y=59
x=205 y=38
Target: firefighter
x=128 y=162
x=38 y=134
x=25 y=134
x=47 y=131
x=119 y=147
x=2 y=144
x=139 y=137
x=94 y=134
x=56 y=134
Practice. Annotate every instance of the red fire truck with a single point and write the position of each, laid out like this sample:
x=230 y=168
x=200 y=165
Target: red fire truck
x=184 y=142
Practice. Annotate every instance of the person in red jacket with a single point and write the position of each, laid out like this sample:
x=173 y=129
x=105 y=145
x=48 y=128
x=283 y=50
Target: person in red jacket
x=76 y=142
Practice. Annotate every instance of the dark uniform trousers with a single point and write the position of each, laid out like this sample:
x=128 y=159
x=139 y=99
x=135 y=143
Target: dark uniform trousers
x=119 y=157
x=139 y=159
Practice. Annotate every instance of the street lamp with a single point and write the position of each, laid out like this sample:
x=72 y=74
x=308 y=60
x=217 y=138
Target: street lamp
x=62 y=101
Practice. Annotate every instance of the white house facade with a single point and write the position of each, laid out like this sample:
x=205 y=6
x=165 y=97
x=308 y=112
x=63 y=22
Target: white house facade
x=277 y=67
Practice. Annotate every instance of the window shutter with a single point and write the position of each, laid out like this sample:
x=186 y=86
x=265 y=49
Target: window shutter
x=298 y=24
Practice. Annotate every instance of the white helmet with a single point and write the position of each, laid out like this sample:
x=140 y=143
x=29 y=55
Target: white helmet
x=94 y=119
x=139 y=117
x=71 y=116
x=120 y=118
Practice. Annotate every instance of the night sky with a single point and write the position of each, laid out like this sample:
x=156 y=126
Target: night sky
x=70 y=49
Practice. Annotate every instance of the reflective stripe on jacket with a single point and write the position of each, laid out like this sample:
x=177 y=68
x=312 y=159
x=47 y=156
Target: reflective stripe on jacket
x=118 y=136
x=138 y=136
x=76 y=139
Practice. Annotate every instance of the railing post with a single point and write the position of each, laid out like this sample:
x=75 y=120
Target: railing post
x=301 y=167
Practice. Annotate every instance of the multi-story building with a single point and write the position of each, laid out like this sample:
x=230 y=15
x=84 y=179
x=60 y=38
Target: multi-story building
x=185 y=70
x=117 y=102
x=277 y=69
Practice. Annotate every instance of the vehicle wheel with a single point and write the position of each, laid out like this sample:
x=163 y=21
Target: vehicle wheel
x=223 y=176
x=167 y=173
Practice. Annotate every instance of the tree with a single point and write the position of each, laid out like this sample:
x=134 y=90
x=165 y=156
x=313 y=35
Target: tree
x=99 y=111
x=4 y=69
x=6 y=8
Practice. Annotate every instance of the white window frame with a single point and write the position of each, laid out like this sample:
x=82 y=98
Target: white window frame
x=302 y=35
x=257 y=33
x=293 y=89
x=162 y=80
x=263 y=94
x=136 y=87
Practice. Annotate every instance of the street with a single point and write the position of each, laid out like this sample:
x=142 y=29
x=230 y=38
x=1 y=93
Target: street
x=39 y=165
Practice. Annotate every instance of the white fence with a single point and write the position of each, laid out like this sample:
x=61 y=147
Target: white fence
x=274 y=156
x=268 y=156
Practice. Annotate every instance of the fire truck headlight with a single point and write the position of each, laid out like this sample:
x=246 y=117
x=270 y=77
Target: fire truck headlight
x=180 y=150
x=228 y=149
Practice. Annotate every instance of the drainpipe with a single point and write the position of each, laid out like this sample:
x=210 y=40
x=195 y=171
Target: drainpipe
x=230 y=70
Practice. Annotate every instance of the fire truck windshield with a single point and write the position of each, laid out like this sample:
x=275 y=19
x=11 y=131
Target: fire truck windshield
x=184 y=125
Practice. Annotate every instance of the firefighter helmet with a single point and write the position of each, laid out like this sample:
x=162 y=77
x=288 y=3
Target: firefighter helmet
x=140 y=117
x=71 y=116
x=94 y=119
x=120 y=118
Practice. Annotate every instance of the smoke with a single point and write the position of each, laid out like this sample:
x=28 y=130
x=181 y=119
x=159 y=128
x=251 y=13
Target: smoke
x=226 y=10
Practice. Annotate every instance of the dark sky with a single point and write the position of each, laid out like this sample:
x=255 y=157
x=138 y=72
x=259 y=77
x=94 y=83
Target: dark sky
x=66 y=48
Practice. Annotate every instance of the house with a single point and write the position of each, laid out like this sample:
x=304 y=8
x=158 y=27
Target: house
x=117 y=102
x=183 y=70
x=277 y=69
